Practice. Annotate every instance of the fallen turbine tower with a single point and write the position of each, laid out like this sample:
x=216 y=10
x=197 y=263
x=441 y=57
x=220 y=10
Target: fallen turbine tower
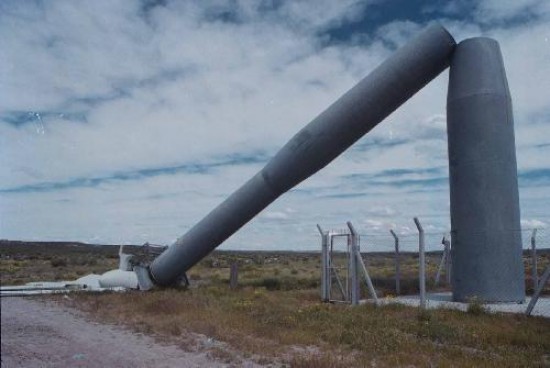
x=483 y=173
x=349 y=118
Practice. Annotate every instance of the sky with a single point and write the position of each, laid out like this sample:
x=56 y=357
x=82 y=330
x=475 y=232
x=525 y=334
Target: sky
x=128 y=121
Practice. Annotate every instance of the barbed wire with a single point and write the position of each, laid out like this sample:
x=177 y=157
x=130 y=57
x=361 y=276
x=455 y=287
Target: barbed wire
x=379 y=242
x=438 y=264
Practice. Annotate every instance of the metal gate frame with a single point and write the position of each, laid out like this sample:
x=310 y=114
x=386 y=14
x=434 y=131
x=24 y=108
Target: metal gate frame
x=349 y=291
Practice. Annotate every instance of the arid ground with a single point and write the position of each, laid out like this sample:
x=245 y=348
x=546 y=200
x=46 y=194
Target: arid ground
x=273 y=318
x=40 y=333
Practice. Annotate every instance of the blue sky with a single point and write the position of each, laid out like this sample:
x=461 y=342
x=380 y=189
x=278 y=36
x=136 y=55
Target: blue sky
x=128 y=121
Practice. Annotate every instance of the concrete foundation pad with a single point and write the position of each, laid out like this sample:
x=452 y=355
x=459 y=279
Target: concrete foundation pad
x=445 y=300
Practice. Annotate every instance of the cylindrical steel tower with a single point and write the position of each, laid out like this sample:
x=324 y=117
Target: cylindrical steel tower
x=485 y=215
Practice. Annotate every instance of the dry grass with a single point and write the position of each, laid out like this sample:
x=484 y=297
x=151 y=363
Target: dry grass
x=270 y=323
x=22 y=263
x=275 y=316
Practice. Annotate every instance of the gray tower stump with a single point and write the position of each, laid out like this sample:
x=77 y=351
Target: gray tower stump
x=485 y=216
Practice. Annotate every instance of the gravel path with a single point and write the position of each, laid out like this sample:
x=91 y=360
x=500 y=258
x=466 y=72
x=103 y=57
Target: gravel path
x=40 y=334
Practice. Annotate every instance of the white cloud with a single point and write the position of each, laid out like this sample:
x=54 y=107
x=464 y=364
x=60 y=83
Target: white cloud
x=385 y=211
x=533 y=224
x=275 y=215
x=180 y=86
x=501 y=10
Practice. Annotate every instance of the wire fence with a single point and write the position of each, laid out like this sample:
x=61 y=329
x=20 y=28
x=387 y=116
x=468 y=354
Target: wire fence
x=394 y=264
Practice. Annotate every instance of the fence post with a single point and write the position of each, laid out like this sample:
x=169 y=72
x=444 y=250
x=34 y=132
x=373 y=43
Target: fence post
x=534 y=272
x=397 y=264
x=445 y=263
x=422 y=263
x=340 y=285
x=448 y=260
x=324 y=265
x=441 y=264
x=359 y=260
x=544 y=279
x=234 y=276
x=353 y=249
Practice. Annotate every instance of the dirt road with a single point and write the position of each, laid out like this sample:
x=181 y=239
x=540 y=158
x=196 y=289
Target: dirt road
x=39 y=334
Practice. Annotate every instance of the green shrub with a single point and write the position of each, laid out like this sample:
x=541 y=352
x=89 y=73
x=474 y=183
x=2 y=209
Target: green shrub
x=424 y=315
x=58 y=262
x=476 y=307
x=270 y=283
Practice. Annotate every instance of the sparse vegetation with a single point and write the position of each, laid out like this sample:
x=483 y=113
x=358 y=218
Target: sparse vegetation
x=476 y=307
x=273 y=324
x=275 y=314
x=25 y=262
x=58 y=262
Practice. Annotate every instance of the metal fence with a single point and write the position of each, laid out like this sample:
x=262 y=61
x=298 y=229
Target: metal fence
x=399 y=268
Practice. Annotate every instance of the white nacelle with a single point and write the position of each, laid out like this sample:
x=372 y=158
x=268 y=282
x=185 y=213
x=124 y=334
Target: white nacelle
x=119 y=278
